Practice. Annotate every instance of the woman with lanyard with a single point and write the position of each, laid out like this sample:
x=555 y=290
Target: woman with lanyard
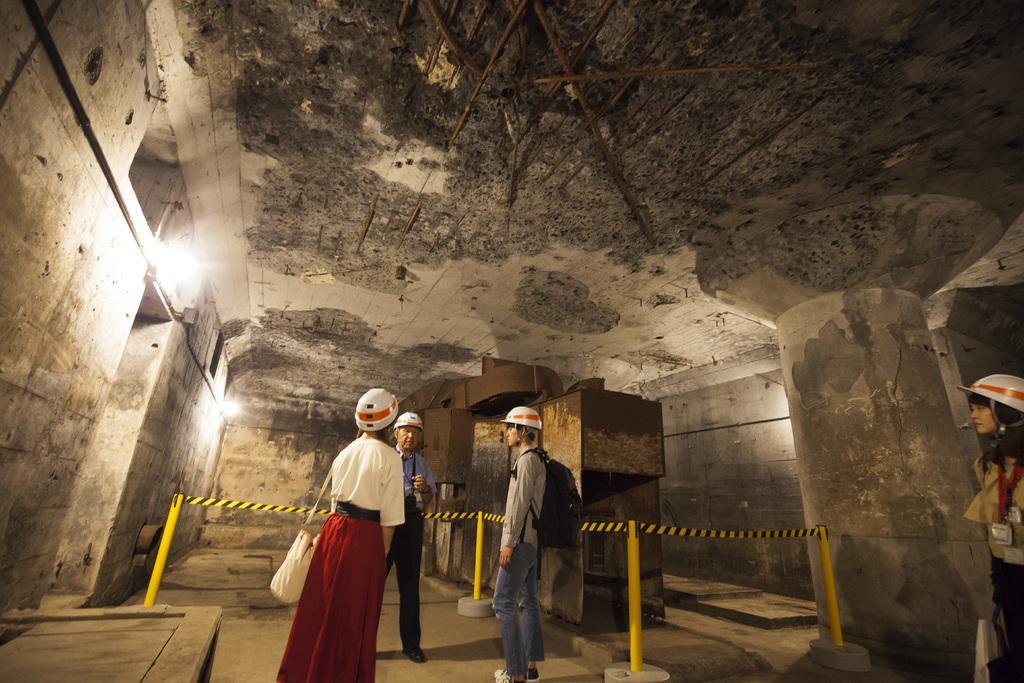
x=997 y=410
x=334 y=634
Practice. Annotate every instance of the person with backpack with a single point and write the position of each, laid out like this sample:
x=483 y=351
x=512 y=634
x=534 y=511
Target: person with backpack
x=523 y=644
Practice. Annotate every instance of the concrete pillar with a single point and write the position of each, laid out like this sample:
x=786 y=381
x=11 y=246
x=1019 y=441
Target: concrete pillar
x=879 y=462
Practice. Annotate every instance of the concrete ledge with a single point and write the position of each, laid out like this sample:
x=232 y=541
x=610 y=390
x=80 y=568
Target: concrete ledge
x=684 y=592
x=29 y=616
x=188 y=655
x=765 y=611
x=150 y=644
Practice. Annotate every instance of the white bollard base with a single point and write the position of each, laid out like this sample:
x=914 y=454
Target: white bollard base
x=619 y=672
x=468 y=607
x=848 y=657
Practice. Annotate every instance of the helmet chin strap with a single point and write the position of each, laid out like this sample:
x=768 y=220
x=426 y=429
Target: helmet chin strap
x=1002 y=427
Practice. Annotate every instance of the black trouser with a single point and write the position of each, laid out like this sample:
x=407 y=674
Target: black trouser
x=1008 y=593
x=406 y=551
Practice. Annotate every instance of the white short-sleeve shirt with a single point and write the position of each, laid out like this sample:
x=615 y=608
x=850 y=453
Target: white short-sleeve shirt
x=367 y=473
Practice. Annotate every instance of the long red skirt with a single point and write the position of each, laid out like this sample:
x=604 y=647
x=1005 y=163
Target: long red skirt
x=334 y=634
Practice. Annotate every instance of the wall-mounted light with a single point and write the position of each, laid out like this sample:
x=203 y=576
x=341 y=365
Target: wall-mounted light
x=230 y=408
x=174 y=266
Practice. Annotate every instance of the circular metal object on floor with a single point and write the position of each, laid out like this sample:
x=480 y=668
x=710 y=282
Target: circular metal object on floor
x=848 y=657
x=619 y=673
x=468 y=607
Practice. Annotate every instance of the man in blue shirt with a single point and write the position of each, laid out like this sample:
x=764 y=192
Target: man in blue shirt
x=407 y=544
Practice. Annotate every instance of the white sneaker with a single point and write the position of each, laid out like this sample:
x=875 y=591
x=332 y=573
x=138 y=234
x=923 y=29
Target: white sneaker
x=501 y=676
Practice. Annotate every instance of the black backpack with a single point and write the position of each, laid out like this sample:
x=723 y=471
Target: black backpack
x=558 y=525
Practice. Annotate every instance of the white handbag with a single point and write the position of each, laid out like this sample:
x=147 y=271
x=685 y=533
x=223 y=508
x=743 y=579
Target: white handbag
x=290 y=577
x=987 y=647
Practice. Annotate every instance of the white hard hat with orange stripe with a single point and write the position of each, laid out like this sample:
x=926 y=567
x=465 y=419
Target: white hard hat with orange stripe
x=521 y=415
x=1007 y=390
x=376 y=410
x=409 y=420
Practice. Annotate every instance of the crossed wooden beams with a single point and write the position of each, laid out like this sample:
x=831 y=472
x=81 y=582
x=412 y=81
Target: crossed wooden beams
x=569 y=77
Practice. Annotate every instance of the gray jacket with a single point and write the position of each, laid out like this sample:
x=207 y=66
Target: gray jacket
x=526 y=486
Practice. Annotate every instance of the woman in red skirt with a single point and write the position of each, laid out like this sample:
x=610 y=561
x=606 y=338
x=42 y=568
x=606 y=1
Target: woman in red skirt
x=334 y=634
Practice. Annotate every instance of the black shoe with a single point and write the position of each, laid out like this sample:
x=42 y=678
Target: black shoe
x=415 y=654
x=532 y=675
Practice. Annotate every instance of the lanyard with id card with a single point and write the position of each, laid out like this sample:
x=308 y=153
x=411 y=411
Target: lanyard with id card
x=1009 y=514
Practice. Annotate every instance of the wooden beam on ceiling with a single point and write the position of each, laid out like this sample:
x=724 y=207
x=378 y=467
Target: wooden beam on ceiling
x=453 y=7
x=408 y=224
x=478 y=21
x=662 y=73
x=521 y=31
x=450 y=38
x=610 y=102
x=528 y=155
x=595 y=27
x=636 y=208
x=366 y=225
x=649 y=127
x=517 y=15
x=404 y=14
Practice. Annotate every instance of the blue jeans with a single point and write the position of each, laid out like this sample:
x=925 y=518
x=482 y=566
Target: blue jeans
x=521 y=634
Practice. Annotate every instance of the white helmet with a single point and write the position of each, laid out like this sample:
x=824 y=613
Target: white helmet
x=1007 y=390
x=376 y=410
x=521 y=415
x=409 y=420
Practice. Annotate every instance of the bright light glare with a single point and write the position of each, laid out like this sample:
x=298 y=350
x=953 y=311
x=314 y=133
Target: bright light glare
x=174 y=266
x=230 y=408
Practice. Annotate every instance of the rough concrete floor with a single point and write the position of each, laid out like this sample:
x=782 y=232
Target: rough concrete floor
x=255 y=628
x=785 y=651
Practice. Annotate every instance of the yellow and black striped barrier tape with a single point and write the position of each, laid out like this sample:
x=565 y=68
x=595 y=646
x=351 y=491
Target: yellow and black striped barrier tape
x=590 y=527
x=246 y=505
x=663 y=530
x=608 y=527
x=229 y=504
x=452 y=516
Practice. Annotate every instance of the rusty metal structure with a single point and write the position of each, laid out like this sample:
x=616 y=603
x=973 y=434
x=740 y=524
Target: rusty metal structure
x=611 y=441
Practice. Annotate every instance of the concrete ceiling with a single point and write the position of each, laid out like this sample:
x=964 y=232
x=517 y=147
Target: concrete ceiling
x=894 y=159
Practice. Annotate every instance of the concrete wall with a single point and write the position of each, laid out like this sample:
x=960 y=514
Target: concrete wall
x=71 y=272
x=274 y=451
x=159 y=434
x=973 y=339
x=176 y=450
x=730 y=464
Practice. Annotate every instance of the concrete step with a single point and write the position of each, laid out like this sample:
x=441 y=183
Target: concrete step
x=743 y=605
x=685 y=592
x=766 y=611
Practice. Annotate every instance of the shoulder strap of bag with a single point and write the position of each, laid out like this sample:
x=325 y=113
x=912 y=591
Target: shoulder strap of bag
x=543 y=456
x=309 y=517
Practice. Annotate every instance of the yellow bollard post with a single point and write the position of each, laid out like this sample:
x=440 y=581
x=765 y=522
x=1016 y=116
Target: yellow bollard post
x=830 y=586
x=636 y=640
x=164 y=550
x=472 y=605
x=634 y=668
x=478 y=569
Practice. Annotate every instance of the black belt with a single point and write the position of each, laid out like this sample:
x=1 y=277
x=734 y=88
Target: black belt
x=355 y=512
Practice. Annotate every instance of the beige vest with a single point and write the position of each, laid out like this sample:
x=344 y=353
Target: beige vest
x=984 y=507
